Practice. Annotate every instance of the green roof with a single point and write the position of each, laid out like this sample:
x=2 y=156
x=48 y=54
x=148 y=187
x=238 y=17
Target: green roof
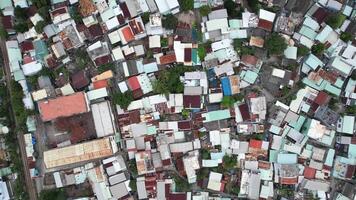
x=308 y=32
x=299 y=123
x=41 y=49
x=332 y=89
x=216 y=115
x=5 y=3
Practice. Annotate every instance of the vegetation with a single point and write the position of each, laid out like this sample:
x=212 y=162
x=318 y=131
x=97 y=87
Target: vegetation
x=75 y=15
x=336 y=20
x=332 y=103
x=202 y=173
x=202 y=49
x=133 y=185
x=205 y=154
x=164 y=42
x=145 y=17
x=82 y=58
x=39 y=26
x=21 y=27
x=231 y=6
x=168 y=80
x=186 y=5
x=318 y=49
x=351 y=109
x=275 y=44
x=241 y=49
x=133 y=167
x=228 y=102
x=229 y=162
x=181 y=184
x=53 y=194
x=106 y=67
x=17 y=103
x=345 y=36
x=204 y=10
x=123 y=99
x=3 y=33
x=302 y=51
x=254 y=5
x=185 y=113
x=169 y=21
x=232 y=188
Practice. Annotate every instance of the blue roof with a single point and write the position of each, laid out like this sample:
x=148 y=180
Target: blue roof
x=41 y=49
x=226 y=86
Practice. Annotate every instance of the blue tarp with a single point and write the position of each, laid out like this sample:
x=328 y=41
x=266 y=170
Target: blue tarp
x=225 y=82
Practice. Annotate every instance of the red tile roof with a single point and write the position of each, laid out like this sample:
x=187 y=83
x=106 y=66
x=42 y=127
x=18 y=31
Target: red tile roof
x=184 y=125
x=249 y=60
x=321 y=98
x=264 y=24
x=289 y=181
x=7 y=22
x=80 y=80
x=26 y=46
x=128 y=35
x=320 y=15
x=167 y=59
x=309 y=172
x=100 y=84
x=103 y=60
x=63 y=106
x=245 y=113
x=257 y=144
x=187 y=55
x=133 y=83
x=95 y=30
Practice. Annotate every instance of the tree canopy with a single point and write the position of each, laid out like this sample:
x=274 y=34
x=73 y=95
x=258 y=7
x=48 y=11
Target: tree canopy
x=169 y=21
x=168 y=81
x=39 y=26
x=53 y=194
x=229 y=162
x=318 y=49
x=204 y=10
x=336 y=20
x=233 y=9
x=302 y=50
x=123 y=99
x=186 y=5
x=145 y=17
x=275 y=44
x=345 y=36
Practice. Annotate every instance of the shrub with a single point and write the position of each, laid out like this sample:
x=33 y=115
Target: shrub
x=204 y=10
x=275 y=44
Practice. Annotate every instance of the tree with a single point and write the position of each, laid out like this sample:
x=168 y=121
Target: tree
x=43 y=12
x=345 y=36
x=123 y=99
x=168 y=81
x=40 y=3
x=181 y=184
x=75 y=15
x=231 y=6
x=336 y=20
x=254 y=5
x=205 y=154
x=186 y=5
x=302 y=50
x=39 y=26
x=133 y=185
x=229 y=162
x=169 y=21
x=204 y=10
x=164 y=42
x=318 y=49
x=241 y=49
x=3 y=33
x=20 y=13
x=53 y=194
x=276 y=44
x=227 y=102
x=351 y=110
x=21 y=27
x=145 y=17
x=185 y=113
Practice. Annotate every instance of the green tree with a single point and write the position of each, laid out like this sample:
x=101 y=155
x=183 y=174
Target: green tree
x=241 y=49
x=231 y=6
x=204 y=10
x=186 y=5
x=39 y=26
x=168 y=81
x=75 y=15
x=21 y=27
x=318 y=49
x=40 y=3
x=3 y=33
x=164 y=42
x=205 y=154
x=181 y=184
x=254 y=5
x=145 y=17
x=346 y=36
x=123 y=99
x=43 y=12
x=336 y=20
x=169 y=21
x=351 y=110
x=53 y=194
x=302 y=50
x=185 y=113
x=275 y=44
x=133 y=185
x=227 y=102
x=229 y=162
x=20 y=13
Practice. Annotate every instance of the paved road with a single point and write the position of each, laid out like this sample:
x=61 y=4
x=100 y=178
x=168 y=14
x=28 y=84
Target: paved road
x=20 y=137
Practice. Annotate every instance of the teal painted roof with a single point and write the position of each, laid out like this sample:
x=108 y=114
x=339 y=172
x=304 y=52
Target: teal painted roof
x=57 y=1
x=313 y=62
x=339 y=83
x=266 y=174
x=352 y=151
x=323 y=35
x=41 y=49
x=347 y=10
x=217 y=156
x=330 y=157
x=291 y=52
x=151 y=130
x=350 y=85
x=299 y=123
x=234 y=23
x=273 y=155
x=249 y=76
x=348 y=124
x=216 y=115
x=287 y=158
x=332 y=89
x=5 y=171
x=328 y=139
x=340 y=65
x=5 y=4
x=31 y=124
x=309 y=22
x=308 y=32
x=18 y=75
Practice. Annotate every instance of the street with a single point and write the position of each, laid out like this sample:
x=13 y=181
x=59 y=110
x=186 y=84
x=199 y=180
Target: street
x=21 y=140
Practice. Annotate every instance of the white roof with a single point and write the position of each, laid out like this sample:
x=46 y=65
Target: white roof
x=123 y=86
x=215 y=97
x=117 y=54
x=217 y=24
x=114 y=37
x=154 y=41
x=31 y=68
x=214 y=137
x=39 y=94
x=278 y=73
x=103 y=119
x=221 y=44
x=67 y=89
x=97 y=94
x=112 y=23
x=214 y=181
x=267 y=15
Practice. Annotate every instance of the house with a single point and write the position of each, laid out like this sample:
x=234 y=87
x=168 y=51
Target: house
x=103 y=119
x=80 y=80
x=191 y=163
x=53 y=108
x=214 y=182
x=346 y=124
x=266 y=19
x=167 y=6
